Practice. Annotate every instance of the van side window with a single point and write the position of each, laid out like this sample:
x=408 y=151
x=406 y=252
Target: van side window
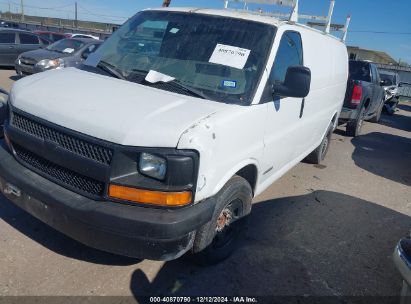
x=8 y=38
x=290 y=53
x=28 y=39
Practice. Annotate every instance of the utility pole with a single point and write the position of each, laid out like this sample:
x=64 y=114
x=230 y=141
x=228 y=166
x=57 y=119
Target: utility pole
x=76 y=19
x=22 y=10
x=166 y=3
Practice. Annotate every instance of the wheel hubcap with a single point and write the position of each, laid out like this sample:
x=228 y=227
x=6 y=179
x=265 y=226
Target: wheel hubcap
x=224 y=219
x=226 y=226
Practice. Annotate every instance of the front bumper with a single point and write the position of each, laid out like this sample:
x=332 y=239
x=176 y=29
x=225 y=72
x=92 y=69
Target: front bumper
x=23 y=69
x=348 y=114
x=135 y=231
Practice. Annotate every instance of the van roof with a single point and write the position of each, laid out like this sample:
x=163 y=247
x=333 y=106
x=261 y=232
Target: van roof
x=240 y=14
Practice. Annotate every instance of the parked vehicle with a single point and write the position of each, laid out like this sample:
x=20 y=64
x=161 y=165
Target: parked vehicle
x=402 y=260
x=4 y=95
x=8 y=24
x=75 y=35
x=391 y=81
x=176 y=122
x=61 y=54
x=52 y=36
x=364 y=98
x=14 y=42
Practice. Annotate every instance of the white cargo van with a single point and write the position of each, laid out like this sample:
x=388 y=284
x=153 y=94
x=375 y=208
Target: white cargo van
x=178 y=120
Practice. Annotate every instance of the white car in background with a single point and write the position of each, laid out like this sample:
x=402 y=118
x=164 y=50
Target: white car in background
x=78 y=35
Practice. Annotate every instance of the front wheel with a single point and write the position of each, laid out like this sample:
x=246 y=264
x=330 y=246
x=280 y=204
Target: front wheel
x=217 y=239
x=391 y=106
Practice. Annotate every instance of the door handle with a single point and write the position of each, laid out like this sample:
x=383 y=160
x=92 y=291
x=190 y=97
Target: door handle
x=11 y=47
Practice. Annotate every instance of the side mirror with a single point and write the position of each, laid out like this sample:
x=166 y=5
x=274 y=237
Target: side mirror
x=85 y=55
x=382 y=83
x=296 y=84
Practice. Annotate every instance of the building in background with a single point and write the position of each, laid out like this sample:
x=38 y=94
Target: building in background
x=357 y=53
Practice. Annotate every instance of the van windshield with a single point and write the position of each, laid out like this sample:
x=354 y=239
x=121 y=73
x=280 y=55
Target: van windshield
x=221 y=57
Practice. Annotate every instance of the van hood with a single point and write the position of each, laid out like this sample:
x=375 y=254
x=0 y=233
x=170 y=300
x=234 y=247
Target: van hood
x=110 y=109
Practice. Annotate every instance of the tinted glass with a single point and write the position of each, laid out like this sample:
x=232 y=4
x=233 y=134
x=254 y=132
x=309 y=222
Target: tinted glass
x=45 y=35
x=90 y=49
x=56 y=37
x=289 y=53
x=221 y=57
x=360 y=71
x=28 y=39
x=45 y=41
x=66 y=46
x=389 y=79
x=7 y=38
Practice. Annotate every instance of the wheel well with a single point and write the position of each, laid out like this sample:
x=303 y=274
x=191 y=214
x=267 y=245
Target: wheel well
x=334 y=117
x=367 y=103
x=249 y=173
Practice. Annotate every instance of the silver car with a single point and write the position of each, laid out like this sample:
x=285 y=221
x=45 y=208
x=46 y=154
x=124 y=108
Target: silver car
x=67 y=52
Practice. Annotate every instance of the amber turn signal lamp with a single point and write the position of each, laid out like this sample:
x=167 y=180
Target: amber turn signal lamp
x=150 y=197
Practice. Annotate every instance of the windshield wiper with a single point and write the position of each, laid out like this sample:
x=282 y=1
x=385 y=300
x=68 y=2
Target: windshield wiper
x=140 y=71
x=190 y=90
x=175 y=83
x=110 y=69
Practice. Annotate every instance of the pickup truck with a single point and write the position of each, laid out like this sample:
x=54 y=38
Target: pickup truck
x=177 y=121
x=364 y=98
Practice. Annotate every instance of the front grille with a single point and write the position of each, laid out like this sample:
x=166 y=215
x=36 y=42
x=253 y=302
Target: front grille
x=27 y=61
x=59 y=174
x=78 y=146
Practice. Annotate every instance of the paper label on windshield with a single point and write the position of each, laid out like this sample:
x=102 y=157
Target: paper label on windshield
x=68 y=50
x=230 y=56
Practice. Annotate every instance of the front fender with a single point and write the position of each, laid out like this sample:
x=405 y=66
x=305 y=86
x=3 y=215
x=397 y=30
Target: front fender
x=226 y=141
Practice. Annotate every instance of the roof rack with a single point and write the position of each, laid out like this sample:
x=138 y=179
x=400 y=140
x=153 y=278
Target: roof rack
x=294 y=15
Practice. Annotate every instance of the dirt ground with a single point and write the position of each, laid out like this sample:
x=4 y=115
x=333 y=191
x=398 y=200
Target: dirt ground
x=320 y=230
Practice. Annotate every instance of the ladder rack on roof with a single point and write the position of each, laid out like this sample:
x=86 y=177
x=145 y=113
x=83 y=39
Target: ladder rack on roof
x=294 y=16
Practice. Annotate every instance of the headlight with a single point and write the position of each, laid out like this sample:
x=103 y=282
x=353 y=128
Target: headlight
x=50 y=63
x=153 y=166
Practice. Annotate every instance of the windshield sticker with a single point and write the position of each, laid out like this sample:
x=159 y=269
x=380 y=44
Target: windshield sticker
x=230 y=84
x=174 y=30
x=230 y=56
x=68 y=50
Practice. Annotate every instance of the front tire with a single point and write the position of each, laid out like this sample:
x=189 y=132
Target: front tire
x=391 y=107
x=217 y=239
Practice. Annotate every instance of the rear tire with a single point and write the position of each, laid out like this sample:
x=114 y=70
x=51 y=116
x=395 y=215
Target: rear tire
x=354 y=126
x=318 y=155
x=377 y=116
x=217 y=239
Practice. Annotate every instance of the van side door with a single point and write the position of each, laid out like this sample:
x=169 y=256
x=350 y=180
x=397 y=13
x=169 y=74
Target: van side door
x=282 y=135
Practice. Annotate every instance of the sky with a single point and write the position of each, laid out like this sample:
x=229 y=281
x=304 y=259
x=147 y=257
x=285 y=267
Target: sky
x=367 y=16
